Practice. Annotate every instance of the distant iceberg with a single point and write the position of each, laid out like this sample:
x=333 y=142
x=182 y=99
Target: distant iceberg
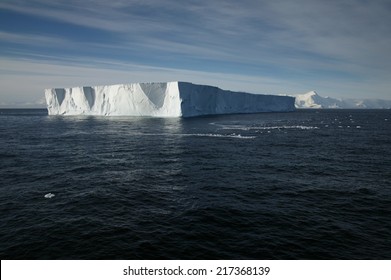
x=315 y=101
x=171 y=99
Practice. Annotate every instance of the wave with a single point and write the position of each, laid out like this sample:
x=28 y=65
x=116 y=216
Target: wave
x=247 y=128
x=232 y=135
x=283 y=127
x=221 y=135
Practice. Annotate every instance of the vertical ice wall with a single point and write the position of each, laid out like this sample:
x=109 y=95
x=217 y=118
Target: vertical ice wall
x=172 y=99
x=207 y=100
x=147 y=99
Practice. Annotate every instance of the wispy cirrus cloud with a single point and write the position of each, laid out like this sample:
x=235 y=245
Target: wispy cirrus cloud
x=34 y=74
x=339 y=48
x=338 y=29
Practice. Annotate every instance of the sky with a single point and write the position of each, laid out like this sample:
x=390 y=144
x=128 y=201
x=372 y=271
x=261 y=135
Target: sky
x=340 y=48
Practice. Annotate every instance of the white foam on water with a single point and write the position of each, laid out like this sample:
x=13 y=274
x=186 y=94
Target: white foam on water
x=222 y=135
x=233 y=135
x=303 y=127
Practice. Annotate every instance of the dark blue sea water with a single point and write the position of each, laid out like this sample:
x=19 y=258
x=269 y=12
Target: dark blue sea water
x=311 y=184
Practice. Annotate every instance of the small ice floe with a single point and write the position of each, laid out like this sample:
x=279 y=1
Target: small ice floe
x=49 y=195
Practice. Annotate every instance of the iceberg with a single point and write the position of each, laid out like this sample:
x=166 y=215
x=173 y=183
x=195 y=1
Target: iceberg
x=49 y=195
x=168 y=99
x=312 y=100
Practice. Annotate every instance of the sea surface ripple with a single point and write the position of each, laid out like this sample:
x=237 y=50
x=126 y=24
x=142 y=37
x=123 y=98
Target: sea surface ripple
x=310 y=184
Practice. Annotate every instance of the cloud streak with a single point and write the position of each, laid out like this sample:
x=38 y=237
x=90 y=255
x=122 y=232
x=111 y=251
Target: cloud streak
x=35 y=74
x=340 y=47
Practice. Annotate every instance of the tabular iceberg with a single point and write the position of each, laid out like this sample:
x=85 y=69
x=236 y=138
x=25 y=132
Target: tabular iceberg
x=172 y=99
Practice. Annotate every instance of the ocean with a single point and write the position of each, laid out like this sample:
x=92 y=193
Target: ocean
x=310 y=184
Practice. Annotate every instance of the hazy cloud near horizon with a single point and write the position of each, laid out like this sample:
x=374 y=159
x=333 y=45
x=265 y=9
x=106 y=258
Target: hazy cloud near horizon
x=339 y=48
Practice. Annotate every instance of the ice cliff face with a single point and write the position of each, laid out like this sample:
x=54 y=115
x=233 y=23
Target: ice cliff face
x=154 y=99
x=172 y=99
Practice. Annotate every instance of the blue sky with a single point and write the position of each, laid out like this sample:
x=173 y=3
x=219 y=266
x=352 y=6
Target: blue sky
x=338 y=48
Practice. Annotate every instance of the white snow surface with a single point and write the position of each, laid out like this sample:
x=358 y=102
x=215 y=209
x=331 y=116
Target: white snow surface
x=313 y=100
x=167 y=99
